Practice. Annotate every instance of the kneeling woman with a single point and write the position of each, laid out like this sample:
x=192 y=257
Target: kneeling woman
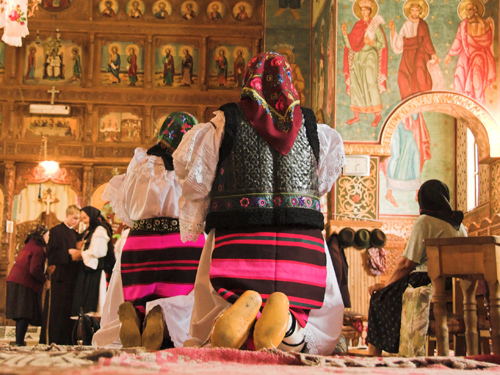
x=436 y=220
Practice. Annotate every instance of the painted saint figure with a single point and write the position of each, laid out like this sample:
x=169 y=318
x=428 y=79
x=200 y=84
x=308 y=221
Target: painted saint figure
x=190 y=13
x=239 y=69
x=30 y=73
x=297 y=78
x=108 y=10
x=365 y=63
x=215 y=15
x=162 y=12
x=474 y=46
x=53 y=66
x=77 y=64
x=114 y=65
x=410 y=146
x=168 y=68
x=187 y=68
x=132 y=67
x=242 y=15
x=135 y=11
x=221 y=66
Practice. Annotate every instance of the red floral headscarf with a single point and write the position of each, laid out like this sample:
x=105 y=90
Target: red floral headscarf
x=270 y=101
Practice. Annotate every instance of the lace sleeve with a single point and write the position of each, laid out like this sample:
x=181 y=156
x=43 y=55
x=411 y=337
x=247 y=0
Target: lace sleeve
x=331 y=157
x=113 y=193
x=195 y=163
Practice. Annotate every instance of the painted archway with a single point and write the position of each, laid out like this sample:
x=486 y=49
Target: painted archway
x=478 y=119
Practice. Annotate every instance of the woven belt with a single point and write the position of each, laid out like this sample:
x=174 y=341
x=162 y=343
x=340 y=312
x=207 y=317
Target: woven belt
x=157 y=224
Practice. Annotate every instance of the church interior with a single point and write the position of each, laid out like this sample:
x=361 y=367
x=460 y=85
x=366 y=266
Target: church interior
x=94 y=79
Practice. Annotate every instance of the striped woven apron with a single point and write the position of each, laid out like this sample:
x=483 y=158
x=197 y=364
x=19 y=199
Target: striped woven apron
x=156 y=263
x=290 y=261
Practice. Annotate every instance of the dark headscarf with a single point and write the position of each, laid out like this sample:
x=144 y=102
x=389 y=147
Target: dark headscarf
x=36 y=234
x=271 y=102
x=434 y=200
x=171 y=132
x=96 y=219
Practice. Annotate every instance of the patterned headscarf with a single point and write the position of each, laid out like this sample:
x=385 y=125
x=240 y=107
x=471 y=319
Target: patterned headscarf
x=174 y=127
x=270 y=101
x=434 y=200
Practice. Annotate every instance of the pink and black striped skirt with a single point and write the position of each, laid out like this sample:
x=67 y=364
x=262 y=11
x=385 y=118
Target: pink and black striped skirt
x=290 y=261
x=157 y=264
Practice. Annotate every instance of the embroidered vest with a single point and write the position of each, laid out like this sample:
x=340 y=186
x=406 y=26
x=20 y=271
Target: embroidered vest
x=257 y=186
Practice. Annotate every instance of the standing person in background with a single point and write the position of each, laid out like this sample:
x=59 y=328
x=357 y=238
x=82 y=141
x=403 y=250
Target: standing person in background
x=57 y=311
x=155 y=263
x=90 y=289
x=25 y=283
x=252 y=178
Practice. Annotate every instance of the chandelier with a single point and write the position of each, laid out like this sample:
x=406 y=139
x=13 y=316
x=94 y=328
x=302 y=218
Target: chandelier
x=50 y=167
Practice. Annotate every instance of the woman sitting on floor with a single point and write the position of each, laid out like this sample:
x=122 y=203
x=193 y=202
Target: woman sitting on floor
x=436 y=220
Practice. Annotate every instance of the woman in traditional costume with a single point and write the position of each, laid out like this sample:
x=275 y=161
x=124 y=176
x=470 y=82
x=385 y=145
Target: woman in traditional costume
x=252 y=178
x=155 y=264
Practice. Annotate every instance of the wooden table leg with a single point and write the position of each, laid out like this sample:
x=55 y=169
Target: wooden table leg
x=470 y=315
x=494 y=288
x=440 y=315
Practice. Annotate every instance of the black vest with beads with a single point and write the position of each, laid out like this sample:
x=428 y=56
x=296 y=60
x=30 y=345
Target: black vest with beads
x=257 y=186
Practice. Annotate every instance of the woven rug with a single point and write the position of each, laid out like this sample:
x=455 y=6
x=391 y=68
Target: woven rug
x=42 y=360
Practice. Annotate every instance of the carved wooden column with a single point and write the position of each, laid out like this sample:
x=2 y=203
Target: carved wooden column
x=11 y=119
x=9 y=178
x=148 y=70
x=146 y=134
x=87 y=184
x=90 y=64
x=494 y=188
x=87 y=135
x=203 y=67
x=13 y=63
x=256 y=47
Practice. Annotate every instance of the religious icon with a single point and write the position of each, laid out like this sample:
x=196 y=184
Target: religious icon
x=162 y=9
x=77 y=64
x=365 y=62
x=55 y=5
x=410 y=146
x=242 y=11
x=221 y=66
x=114 y=63
x=135 y=8
x=239 y=67
x=30 y=73
x=108 y=8
x=53 y=64
x=168 y=67
x=132 y=64
x=189 y=10
x=187 y=66
x=476 y=68
x=215 y=11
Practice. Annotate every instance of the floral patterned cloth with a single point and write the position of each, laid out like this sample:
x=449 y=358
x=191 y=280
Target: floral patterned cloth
x=271 y=102
x=415 y=321
x=14 y=20
x=174 y=127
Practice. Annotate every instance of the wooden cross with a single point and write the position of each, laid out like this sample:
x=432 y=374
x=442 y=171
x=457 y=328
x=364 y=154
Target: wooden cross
x=53 y=91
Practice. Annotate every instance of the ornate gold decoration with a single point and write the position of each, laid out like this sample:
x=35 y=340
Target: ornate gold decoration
x=357 y=196
x=461 y=169
x=495 y=188
x=477 y=118
x=29 y=174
